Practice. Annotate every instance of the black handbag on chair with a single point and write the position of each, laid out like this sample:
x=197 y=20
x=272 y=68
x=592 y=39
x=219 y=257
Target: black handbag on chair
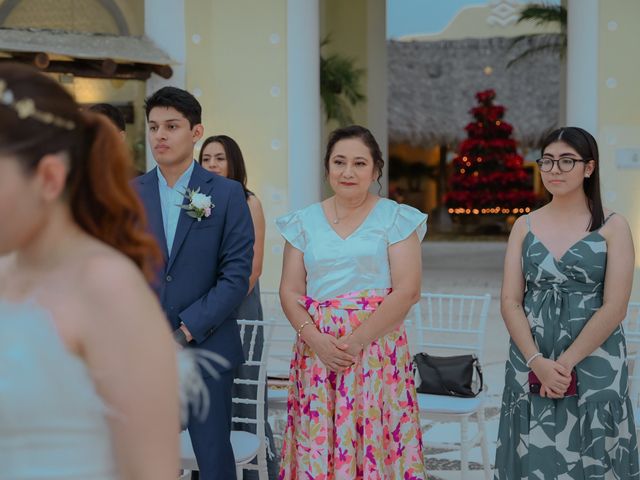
x=452 y=376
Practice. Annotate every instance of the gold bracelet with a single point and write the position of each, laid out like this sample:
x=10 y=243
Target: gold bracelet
x=308 y=322
x=359 y=343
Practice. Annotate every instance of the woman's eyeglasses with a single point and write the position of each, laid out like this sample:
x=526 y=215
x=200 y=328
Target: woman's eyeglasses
x=565 y=164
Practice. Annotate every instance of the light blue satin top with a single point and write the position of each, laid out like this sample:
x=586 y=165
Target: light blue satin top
x=336 y=266
x=53 y=424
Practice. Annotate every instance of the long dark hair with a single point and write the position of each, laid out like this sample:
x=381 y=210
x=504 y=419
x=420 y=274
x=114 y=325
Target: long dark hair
x=362 y=133
x=235 y=161
x=97 y=187
x=586 y=146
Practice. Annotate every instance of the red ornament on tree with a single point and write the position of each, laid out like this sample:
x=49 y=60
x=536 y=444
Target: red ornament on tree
x=488 y=176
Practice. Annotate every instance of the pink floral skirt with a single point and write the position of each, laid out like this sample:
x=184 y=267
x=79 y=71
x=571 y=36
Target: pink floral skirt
x=362 y=423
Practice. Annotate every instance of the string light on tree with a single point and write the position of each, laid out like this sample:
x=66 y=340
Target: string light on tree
x=489 y=178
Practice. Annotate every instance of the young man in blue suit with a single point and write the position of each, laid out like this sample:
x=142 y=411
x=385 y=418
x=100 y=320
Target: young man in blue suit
x=208 y=251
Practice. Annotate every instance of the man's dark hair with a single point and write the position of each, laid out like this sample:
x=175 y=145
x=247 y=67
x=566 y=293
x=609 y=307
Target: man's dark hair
x=113 y=113
x=179 y=99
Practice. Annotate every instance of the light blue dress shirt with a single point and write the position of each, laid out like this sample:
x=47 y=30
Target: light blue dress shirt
x=170 y=200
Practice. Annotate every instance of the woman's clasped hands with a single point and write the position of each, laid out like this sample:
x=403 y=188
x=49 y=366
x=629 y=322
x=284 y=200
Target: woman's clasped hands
x=335 y=353
x=554 y=377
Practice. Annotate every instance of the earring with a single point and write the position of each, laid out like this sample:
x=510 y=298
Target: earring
x=587 y=175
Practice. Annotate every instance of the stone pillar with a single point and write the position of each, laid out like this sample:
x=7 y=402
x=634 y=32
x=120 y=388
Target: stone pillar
x=582 y=65
x=303 y=90
x=377 y=84
x=164 y=24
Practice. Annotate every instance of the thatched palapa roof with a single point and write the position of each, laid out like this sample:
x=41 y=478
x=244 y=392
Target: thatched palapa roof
x=432 y=86
x=95 y=55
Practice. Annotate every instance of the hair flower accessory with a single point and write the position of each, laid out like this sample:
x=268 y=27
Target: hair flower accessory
x=26 y=108
x=199 y=204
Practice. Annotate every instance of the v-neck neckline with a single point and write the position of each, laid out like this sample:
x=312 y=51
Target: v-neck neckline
x=355 y=230
x=566 y=252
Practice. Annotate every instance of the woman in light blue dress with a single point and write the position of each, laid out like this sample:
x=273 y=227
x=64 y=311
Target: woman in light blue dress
x=351 y=271
x=88 y=375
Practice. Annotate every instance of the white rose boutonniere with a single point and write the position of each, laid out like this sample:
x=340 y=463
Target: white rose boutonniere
x=199 y=204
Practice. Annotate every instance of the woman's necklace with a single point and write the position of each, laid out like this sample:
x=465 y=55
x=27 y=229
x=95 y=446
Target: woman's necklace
x=337 y=219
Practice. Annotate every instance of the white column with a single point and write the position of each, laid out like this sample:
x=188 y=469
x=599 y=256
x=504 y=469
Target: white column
x=377 y=83
x=164 y=24
x=303 y=110
x=582 y=65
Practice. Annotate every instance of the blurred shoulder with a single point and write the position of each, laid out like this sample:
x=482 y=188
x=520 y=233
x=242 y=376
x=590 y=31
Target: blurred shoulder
x=5 y=261
x=252 y=199
x=521 y=223
x=520 y=228
x=105 y=274
x=254 y=203
x=615 y=224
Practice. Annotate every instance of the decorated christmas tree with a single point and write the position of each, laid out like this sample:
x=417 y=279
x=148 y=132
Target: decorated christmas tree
x=488 y=175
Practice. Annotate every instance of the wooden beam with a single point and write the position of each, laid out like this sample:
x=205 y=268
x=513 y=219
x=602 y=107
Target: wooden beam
x=40 y=60
x=165 y=71
x=108 y=66
x=83 y=68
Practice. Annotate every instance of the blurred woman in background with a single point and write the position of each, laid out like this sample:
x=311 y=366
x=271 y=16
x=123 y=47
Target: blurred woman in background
x=221 y=155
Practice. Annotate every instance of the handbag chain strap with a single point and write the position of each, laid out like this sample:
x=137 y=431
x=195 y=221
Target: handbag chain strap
x=476 y=365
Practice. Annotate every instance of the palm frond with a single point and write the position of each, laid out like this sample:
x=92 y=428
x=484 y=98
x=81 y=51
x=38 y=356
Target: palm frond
x=339 y=86
x=541 y=14
x=521 y=38
x=544 y=14
x=557 y=48
x=335 y=108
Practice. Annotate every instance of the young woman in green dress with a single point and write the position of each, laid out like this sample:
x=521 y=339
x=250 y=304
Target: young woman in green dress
x=567 y=281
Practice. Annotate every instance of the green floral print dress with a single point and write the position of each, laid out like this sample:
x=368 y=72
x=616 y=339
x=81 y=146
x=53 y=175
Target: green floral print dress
x=588 y=436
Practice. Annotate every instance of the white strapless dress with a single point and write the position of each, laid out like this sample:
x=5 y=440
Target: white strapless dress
x=53 y=424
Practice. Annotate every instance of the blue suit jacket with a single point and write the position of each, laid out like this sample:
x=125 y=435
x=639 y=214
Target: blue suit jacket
x=206 y=277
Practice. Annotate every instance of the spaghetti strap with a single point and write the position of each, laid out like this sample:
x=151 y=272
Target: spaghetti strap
x=608 y=217
x=528 y=221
